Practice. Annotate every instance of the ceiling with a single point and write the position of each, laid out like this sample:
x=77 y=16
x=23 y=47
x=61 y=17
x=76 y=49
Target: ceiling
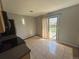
x=36 y=7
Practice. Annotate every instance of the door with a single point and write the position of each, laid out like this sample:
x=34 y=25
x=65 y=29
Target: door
x=52 y=28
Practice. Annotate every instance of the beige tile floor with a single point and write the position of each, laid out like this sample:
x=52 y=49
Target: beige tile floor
x=48 y=49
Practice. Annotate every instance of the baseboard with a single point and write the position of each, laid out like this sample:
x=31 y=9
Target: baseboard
x=29 y=37
x=38 y=36
x=68 y=44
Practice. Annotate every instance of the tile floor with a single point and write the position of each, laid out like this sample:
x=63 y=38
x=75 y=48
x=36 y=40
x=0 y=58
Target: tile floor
x=48 y=49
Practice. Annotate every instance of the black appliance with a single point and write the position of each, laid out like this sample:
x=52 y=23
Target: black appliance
x=10 y=28
x=9 y=25
x=8 y=39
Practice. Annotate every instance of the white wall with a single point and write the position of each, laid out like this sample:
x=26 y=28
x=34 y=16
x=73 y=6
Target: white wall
x=68 y=25
x=42 y=26
x=24 y=30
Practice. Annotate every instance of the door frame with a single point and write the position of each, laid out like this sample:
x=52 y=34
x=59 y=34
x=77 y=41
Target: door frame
x=56 y=25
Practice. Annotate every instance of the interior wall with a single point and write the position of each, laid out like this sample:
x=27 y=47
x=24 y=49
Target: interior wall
x=68 y=25
x=45 y=32
x=42 y=26
x=23 y=30
x=39 y=26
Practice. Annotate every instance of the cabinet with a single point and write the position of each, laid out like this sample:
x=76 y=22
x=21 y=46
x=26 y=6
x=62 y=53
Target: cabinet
x=2 y=27
x=18 y=52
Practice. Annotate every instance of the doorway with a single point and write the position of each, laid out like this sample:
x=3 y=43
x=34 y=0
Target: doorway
x=52 y=27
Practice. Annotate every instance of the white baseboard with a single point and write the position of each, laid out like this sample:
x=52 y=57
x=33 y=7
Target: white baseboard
x=69 y=43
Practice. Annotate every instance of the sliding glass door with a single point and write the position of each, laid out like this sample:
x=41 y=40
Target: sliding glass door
x=52 y=27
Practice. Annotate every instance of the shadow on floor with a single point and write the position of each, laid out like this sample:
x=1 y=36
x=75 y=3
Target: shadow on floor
x=75 y=53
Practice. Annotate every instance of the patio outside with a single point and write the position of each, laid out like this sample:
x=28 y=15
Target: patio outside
x=52 y=28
